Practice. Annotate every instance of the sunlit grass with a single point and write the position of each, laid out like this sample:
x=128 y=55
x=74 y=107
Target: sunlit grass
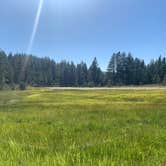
x=73 y=127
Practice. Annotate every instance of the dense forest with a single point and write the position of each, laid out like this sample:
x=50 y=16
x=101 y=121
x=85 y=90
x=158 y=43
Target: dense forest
x=123 y=69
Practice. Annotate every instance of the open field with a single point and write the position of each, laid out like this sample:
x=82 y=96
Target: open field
x=111 y=88
x=74 y=127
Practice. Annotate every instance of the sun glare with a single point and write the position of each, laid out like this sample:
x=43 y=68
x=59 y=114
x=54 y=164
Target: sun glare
x=33 y=34
x=35 y=26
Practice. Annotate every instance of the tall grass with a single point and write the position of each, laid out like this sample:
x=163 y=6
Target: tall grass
x=72 y=127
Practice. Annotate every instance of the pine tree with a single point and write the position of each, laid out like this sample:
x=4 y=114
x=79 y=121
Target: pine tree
x=4 y=72
x=94 y=74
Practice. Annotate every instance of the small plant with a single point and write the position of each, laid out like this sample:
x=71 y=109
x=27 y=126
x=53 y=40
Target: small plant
x=12 y=87
x=164 y=81
x=22 y=86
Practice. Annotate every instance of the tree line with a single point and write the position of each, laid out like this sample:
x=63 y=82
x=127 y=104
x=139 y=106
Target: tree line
x=123 y=69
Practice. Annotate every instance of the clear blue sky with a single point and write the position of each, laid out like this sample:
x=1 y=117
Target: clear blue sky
x=82 y=29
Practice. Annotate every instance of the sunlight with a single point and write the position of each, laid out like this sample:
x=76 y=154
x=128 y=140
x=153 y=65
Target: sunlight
x=35 y=26
x=32 y=37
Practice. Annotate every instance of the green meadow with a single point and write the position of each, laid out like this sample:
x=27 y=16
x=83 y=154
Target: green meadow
x=83 y=127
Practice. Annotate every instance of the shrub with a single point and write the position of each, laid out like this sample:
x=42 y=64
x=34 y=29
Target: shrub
x=22 y=86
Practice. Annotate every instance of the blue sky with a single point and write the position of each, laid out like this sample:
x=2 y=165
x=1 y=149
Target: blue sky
x=82 y=29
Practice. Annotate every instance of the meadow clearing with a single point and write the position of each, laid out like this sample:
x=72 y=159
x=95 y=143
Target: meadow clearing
x=82 y=127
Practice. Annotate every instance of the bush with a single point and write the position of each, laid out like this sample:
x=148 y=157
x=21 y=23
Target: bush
x=164 y=81
x=22 y=86
x=91 y=84
x=5 y=87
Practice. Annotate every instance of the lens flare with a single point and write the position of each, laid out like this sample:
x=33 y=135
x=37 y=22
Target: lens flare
x=35 y=27
x=32 y=37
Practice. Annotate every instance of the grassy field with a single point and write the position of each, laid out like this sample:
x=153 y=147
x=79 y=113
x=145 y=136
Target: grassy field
x=81 y=128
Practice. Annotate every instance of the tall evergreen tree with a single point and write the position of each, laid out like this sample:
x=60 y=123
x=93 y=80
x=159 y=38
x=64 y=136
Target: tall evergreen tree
x=122 y=69
x=4 y=69
x=82 y=74
x=94 y=74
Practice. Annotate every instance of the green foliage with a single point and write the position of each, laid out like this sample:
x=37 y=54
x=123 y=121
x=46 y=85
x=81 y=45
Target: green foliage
x=22 y=86
x=82 y=74
x=3 y=69
x=102 y=127
x=164 y=80
x=94 y=74
x=123 y=69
